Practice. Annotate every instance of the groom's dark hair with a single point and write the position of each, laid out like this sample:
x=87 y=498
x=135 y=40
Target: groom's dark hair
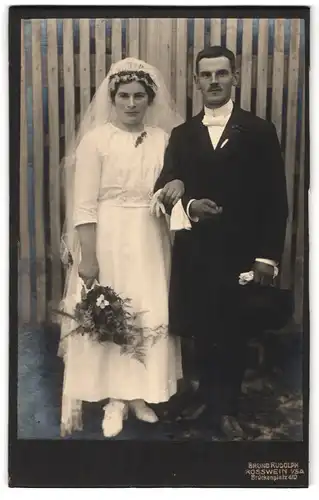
x=216 y=51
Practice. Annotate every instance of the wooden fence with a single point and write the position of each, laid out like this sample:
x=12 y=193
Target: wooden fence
x=63 y=61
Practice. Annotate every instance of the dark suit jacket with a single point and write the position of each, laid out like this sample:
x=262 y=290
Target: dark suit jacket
x=246 y=177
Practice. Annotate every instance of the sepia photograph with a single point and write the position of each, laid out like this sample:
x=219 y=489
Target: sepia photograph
x=162 y=235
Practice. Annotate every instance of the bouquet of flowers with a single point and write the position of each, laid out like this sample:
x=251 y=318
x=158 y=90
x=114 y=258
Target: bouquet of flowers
x=105 y=317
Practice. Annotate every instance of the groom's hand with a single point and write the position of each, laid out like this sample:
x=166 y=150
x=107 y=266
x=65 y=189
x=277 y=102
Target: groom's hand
x=88 y=271
x=204 y=208
x=263 y=273
x=172 y=192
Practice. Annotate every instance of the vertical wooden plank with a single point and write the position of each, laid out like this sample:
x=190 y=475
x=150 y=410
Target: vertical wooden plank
x=116 y=40
x=165 y=29
x=173 y=59
x=100 y=46
x=262 y=68
x=54 y=159
x=231 y=34
x=143 y=39
x=300 y=243
x=85 y=91
x=216 y=32
x=24 y=246
x=69 y=100
x=246 y=64
x=181 y=67
x=133 y=38
x=125 y=43
x=37 y=108
x=108 y=38
x=153 y=36
x=231 y=42
x=290 y=153
x=278 y=76
x=199 y=28
x=68 y=80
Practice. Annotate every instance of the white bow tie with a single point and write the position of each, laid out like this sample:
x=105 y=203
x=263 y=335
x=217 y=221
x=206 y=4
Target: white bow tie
x=215 y=121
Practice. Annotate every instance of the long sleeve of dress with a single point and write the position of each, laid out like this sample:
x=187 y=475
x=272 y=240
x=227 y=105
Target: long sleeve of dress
x=86 y=182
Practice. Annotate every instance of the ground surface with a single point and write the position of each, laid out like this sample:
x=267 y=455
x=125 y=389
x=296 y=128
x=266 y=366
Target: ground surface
x=271 y=401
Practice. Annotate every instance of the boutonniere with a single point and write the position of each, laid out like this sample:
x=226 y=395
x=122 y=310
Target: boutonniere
x=238 y=128
x=235 y=131
x=140 y=138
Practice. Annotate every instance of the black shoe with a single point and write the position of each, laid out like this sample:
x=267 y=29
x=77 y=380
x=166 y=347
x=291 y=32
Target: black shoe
x=250 y=431
x=193 y=411
x=232 y=428
x=170 y=411
x=196 y=430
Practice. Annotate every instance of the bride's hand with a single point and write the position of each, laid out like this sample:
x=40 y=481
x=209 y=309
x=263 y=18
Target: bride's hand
x=172 y=192
x=89 y=271
x=157 y=208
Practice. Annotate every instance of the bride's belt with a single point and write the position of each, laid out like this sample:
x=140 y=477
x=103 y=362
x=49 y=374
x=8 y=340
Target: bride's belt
x=126 y=202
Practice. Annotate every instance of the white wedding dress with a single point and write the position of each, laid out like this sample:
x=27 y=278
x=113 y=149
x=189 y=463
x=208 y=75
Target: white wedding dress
x=114 y=183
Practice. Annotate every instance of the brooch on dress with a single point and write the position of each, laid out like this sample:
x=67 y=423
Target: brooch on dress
x=140 y=138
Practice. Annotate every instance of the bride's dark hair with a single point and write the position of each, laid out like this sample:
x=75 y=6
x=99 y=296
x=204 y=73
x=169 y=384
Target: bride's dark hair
x=133 y=76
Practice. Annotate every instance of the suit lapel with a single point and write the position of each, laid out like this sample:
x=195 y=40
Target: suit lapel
x=202 y=135
x=201 y=131
x=199 y=135
x=234 y=120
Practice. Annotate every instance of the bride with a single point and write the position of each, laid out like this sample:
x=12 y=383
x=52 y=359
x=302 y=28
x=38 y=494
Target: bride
x=115 y=239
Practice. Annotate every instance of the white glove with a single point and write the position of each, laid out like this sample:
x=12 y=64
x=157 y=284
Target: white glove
x=157 y=207
x=178 y=219
x=245 y=278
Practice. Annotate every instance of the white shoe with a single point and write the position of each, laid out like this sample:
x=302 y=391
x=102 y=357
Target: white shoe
x=114 y=414
x=142 y=411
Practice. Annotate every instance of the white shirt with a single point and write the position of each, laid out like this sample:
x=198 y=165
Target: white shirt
x=215 y=133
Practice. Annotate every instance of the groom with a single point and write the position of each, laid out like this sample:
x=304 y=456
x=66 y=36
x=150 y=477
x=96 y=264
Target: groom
x=235 y=197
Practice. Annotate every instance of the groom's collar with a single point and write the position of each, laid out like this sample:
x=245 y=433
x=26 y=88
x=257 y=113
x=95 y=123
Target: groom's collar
x=236 y=115
x=224 y=110
x=237 y=120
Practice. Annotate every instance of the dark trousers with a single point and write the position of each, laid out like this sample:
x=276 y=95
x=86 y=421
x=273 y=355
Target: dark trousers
x=221 y=357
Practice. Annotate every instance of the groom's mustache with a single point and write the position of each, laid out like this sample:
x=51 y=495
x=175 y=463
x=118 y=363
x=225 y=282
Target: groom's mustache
x=214 y=87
